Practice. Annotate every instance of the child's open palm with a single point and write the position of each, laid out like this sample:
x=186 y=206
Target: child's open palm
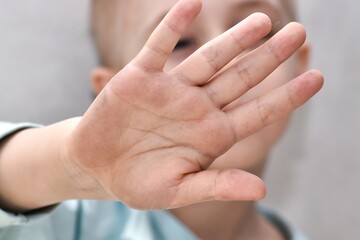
x=150 y=136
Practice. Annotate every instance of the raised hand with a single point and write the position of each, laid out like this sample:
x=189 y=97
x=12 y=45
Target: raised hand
x=150 y=136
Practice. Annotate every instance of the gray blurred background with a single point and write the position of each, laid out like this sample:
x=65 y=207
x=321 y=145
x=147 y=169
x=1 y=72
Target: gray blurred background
x=46 y=56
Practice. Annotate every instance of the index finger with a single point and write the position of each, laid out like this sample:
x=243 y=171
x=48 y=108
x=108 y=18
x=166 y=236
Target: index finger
x=162 y=41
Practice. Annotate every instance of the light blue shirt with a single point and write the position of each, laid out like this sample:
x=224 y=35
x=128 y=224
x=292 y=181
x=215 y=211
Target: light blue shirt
x=101 y=220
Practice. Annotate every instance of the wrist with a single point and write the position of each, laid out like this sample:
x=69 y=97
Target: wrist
x=36 y=163
x=80 y=183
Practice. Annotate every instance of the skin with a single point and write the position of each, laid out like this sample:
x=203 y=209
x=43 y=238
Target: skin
x=214 y=19
x=250 y=153
x=140 y=125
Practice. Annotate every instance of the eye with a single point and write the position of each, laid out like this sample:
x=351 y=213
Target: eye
x=183 y=44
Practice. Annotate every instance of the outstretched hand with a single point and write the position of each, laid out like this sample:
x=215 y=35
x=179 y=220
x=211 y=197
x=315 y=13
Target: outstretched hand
x=150 y=136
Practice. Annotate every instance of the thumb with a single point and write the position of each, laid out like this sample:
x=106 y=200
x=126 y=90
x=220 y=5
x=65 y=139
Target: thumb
x=221 y=185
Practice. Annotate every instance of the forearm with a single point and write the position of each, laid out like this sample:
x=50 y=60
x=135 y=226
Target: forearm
x=33 y=169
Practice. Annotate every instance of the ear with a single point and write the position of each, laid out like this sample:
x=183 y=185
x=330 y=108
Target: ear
x=100 y=77
x=303 y=58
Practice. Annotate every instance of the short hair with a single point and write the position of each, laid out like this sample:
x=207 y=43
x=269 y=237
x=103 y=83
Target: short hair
x=104 y=19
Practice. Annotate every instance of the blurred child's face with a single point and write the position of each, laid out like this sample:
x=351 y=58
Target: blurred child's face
x=138 y=18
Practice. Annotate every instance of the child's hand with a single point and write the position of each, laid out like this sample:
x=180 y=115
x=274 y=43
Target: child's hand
x=150 y=136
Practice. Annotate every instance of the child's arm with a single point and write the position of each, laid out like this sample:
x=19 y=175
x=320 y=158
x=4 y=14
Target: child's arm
x=149 y=137
x=32 y=173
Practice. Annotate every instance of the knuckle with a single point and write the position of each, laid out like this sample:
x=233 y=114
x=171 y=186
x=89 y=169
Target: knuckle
x=274 y=53
x=263 y=113
x=214 y=96
x=173 y=27
x=210 y=54
x=237 y=41
x=224 y=179
x=246 y=77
